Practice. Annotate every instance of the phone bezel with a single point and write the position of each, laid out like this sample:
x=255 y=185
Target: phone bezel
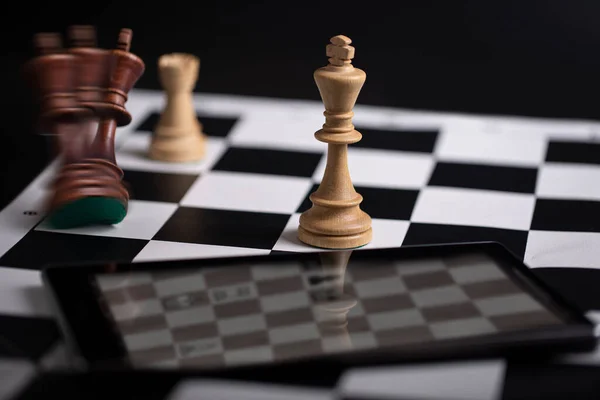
x=93 y=337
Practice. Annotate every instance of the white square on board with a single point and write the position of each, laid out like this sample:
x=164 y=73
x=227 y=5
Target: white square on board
x=461 y=144
x=154 y=99
x=562 y=249
x=386 y=233
x=133 y=155
x=366 y=116
x=287 y=130
x=568 y=181
x=382 y=168
x=288 y=241
x=247 y=192
x=544 y=128
x=144 y=219
x=469 y=207
x=158 y=250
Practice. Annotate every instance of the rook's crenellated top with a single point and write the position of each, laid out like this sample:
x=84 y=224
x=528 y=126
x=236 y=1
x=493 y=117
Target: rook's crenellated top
x=47 y=43
x=82 y=36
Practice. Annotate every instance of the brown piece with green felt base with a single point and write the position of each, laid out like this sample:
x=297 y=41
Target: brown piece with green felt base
x=89 y=169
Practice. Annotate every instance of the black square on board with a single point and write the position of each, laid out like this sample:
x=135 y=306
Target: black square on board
x=421 y=234
x=40 y=248
x=276 y=252
x=158 y=186
x=566 y=215
x=422 y=141
x=379 y=203
x=484 y=177
x=573 y=152
x=212 y=125
x=578 y=285
x=27 y=337
x=269 y=161
x=223 y=228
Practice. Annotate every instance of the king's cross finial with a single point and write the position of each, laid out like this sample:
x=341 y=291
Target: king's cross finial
x=339 y=51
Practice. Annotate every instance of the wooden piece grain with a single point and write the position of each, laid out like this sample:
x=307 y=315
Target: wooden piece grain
x=178 y=136
x=335 y=220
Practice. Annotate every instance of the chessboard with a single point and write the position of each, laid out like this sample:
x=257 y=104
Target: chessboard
x=258 y=313
x=425 y=177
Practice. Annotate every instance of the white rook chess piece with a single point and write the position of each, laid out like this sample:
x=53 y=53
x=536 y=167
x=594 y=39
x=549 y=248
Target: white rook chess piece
x=335 y=219
x=178 y=136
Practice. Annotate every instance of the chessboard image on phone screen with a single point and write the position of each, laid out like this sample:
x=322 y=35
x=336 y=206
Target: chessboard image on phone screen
x=264 y=313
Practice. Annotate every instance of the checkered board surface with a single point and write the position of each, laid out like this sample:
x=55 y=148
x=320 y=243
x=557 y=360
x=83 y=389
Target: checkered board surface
x=425 y=178
x=231 y=316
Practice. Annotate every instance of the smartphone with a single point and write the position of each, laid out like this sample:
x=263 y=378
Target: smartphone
x=332 y=309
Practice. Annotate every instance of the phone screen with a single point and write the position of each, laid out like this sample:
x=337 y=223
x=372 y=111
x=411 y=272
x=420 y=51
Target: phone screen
x=255 y=313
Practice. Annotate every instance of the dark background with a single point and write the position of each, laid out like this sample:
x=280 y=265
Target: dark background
x=537 y=58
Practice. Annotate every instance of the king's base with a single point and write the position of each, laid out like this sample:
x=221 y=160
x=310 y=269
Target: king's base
x=335 y=242
x=88 y=211
x=177 y=149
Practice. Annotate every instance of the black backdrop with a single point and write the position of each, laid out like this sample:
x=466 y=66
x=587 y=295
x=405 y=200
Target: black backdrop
x=538 y=58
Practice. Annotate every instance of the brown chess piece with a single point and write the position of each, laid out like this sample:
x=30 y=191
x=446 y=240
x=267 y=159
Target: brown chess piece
x=335 y=219
x=83 y=178
x=55 y=75
x=88 y=188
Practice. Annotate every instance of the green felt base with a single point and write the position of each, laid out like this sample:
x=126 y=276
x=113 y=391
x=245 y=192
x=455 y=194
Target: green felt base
x=88 y=211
